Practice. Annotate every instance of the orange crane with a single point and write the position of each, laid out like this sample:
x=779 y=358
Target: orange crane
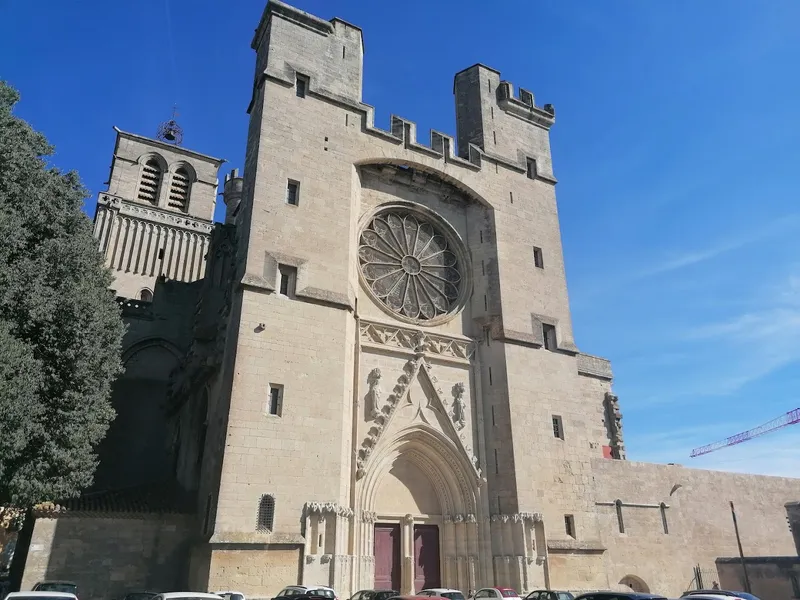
x=790 y=418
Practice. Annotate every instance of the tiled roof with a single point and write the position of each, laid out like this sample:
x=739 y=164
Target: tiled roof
x=159 y=498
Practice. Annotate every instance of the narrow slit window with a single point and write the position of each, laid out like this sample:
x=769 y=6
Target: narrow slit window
x=483 y=268
x=487 y=336
x=558 y=427
x=490 y=375
x=496 y=462
x=664 y=523
x=287 y=279
x=538 y=258
x=494 y=137
x=492 y=111
x=293 y=192
x=549 y=335
x=620 y=522
x=179 y=190
x=531 y=168
x=494 y=421
x=481 y=232
x=511 y=197
x=485 y=303
x=150 y=182
x=344 y=51
x=266 y=513
x=569 y=525
x=275 y=401
x=301 y=86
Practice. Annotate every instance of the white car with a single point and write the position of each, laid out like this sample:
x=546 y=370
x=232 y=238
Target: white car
x=41 y=596
x=495 y=593
x=442 y=593
x=187 y=596
x=296 y=590
x=231 y=595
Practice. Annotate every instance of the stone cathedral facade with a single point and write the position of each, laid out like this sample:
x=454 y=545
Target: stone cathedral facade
x=367 y=375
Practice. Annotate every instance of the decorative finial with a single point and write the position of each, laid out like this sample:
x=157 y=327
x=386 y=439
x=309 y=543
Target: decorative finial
x=170 y=131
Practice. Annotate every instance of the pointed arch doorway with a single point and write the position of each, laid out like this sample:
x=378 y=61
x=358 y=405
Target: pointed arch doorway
x=414 y=486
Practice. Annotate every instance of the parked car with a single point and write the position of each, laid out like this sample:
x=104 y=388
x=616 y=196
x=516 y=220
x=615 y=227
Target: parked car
x=231 y=595
x=442 y=593
x=619 y=596
x=374 y=594
x=549 y=595
x=67 y=587
x=41 y=596
x=290 y=591
x=715 y=597
x=186 y=596
x=727 y=593
x=496 y=593
x=140 y=596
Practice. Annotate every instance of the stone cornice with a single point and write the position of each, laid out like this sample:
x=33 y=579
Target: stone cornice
x=154 y=215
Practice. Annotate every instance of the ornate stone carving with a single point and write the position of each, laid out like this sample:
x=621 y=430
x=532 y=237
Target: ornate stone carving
x=368 y=516
x=374 y=396
x=409 y=266
x=414 y=341
x=470 y=518
x=411 y=370
x=614 y=420
x=323 y=508
x=459 y=413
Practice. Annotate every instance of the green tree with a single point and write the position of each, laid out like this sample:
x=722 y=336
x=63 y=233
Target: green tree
x=60 y=328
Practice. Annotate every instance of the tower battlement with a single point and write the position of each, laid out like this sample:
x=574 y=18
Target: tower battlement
x=325 y=59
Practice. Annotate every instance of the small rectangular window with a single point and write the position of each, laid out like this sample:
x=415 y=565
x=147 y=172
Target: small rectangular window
x=549 y=335
x=531 y=168
x=275 y=405
x=293 y=192
x=301 y=85
x=160 y=254
x=287 y=278
x=569 y=525
x=538 y=259
x=558 y=427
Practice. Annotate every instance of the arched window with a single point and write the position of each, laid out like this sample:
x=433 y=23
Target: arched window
x=150 y=183
x=179 y=189
x=621 y=524
x=266 y=513
x=146 y=295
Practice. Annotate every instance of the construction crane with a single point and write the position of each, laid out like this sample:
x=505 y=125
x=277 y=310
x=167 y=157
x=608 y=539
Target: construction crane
x=790 y=418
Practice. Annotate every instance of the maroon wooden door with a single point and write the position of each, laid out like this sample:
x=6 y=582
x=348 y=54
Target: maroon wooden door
x=426 y=557
x=387 y=557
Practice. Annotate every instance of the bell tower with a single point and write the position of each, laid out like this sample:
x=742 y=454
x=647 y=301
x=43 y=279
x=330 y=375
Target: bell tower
x=155 y=218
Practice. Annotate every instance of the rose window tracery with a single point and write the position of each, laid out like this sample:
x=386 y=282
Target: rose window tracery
x=409 y=265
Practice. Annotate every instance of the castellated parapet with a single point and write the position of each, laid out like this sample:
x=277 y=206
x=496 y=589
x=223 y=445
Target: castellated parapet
x=327 y=58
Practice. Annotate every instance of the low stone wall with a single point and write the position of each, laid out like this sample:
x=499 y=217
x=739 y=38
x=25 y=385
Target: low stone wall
x=109 y=556
x=771 y=577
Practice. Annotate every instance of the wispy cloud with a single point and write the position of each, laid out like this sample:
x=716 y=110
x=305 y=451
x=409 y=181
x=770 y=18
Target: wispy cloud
x=777 y=454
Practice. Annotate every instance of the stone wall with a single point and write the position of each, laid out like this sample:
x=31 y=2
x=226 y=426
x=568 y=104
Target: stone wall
x=771 y=578
x=110 y=556
x=696 y=509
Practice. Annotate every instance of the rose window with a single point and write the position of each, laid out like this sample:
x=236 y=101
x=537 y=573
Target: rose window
x=409 y=265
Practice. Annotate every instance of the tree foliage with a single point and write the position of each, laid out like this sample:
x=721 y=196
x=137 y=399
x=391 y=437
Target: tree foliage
x=60 y=328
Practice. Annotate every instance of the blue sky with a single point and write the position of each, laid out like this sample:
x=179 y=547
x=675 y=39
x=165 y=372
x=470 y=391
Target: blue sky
x=675 y=147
